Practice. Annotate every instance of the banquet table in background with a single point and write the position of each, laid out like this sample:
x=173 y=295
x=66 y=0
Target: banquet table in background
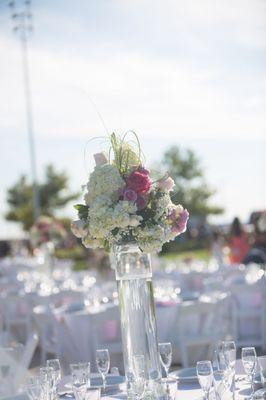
x=82 y=314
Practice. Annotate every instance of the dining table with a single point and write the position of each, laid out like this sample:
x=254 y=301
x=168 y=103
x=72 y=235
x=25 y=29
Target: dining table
x=184 y=391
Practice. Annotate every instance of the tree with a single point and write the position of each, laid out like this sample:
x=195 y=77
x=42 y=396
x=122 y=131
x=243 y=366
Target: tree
x=191 y=189
x=53 y=195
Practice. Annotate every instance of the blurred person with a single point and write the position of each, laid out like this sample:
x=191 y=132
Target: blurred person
x=217 y=247
x=257 y=253
x=238 y=242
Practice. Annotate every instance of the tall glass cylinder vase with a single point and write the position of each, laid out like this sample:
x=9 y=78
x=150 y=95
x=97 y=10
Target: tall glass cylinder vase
x=138 y=324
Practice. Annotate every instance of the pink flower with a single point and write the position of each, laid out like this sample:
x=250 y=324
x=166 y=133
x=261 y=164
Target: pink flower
x=139 y=182
x=141 y=202
x=182 y=221
x=130 y=195
x=166 y=184
x=100 y=158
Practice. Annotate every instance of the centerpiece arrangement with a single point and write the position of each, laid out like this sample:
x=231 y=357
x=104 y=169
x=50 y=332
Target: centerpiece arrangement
x=129 y=214
x=45 y=234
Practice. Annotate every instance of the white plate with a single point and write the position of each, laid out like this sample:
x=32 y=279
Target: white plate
x=186 y=375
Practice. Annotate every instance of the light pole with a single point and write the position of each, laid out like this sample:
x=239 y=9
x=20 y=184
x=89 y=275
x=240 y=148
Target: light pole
x=22 y=26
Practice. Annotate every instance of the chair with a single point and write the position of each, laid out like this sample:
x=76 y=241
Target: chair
x=54 y=335
x=106 y=331
x=196 y=327
x=249 y=314
x=17 y=315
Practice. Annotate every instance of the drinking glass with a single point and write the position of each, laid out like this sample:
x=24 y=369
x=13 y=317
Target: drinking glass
x=103 y=363
x=262 y=366
x=229 y=351
x=138 y=381
x=55 y=365
x=249 y=360
x=165 y=350
x=79 y=381
x=219 y=383
x=34 y=388
x=205 y=376
x=48 y=382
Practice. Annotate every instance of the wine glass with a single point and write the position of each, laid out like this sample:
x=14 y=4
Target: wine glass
x=205 y=376
x=103 y=363
x=249 y=360
x=165 y=350
x=79 y=381
x=229 y=351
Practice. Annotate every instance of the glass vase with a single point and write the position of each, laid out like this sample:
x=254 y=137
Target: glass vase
x=138 y=323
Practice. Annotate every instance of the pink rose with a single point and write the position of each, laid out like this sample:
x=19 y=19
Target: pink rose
x=166 y=184
x=141 y=202
x=139 y=182
x=182 y=221
x=130 y=195
x=100 y=158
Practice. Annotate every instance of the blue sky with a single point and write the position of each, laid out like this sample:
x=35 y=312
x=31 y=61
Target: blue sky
x=177 y=72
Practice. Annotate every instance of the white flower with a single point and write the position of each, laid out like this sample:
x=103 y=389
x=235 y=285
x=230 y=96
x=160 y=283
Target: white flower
x=166 y=184
x=101 y=158
x=104 y=180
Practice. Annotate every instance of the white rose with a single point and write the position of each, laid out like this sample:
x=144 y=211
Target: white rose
x=101 y=158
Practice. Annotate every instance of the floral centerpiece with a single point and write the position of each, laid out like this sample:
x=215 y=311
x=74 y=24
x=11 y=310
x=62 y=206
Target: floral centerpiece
x=128 y=212
x=47 y=229
x=123 y=203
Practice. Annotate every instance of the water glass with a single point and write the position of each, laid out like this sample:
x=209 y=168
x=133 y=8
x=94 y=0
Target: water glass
x=48 y=382
x=249 y=360
x=79 y=381
x=205 y=376
x=220 y=383
x=55 y=365
x=170 y=385
x=138 y=382
x=34 y=388
x=262 y=367
x=103 y=363
x=165 y=350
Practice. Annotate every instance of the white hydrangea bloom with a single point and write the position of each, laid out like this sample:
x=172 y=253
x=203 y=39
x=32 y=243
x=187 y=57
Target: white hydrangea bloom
x=104 y=180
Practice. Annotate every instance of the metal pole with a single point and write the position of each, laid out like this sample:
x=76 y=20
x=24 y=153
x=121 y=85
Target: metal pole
x=30 y=126
x=23 y=26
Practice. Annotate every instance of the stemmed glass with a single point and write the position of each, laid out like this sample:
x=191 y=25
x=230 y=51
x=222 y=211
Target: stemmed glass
x=56 y=367
x=103 y=363
x=165 y=350
x=205 y=376
x=79 y=381
x=249 y=360
x=262 y=366
x=229 y=351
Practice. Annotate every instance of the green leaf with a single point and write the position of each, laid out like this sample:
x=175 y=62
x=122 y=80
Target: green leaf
x=83 y=211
